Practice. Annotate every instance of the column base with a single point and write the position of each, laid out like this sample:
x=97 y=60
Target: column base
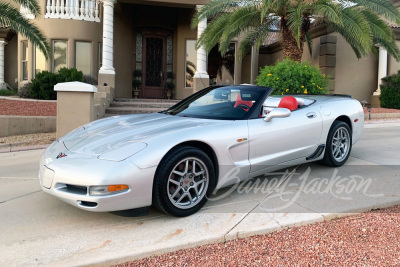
x=106 y=79
x=200 y=83
x=375 y=102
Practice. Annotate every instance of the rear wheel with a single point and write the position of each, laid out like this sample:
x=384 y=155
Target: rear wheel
x=183 y=181
x=338 y=144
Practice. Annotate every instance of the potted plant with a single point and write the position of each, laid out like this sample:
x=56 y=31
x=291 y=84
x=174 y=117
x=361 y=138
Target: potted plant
x=137 y=82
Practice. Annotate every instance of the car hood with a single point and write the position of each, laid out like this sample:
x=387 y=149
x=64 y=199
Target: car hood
x=128 y=132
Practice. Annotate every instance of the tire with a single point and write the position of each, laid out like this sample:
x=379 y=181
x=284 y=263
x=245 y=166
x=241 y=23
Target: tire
x=176 y=181
x=338 y=144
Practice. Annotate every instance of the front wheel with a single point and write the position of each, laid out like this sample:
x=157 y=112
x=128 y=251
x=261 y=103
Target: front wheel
x=338 y=144
x=183 y=182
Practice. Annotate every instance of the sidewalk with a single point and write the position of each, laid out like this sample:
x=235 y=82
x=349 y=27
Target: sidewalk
x=41 y=230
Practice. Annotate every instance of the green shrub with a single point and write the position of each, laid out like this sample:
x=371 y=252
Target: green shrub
x=71 y=75
x=291 y=77
x=390 y=91
x=8 y=92
x=42 y=86
x=25 y=91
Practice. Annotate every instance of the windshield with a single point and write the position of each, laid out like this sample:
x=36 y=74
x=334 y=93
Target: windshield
x=229 y=102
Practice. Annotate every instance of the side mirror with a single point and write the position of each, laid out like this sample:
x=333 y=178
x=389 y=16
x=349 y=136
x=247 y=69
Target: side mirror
x=277 y=113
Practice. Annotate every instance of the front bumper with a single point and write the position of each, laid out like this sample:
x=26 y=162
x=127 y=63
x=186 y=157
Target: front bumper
x=69 y=178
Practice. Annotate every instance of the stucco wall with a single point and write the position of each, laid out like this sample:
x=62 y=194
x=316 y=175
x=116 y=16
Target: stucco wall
x=63 y=29
x=393 y=65
x=123 y=49
x=357 y=77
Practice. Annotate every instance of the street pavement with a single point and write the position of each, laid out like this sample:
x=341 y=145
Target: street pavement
x=38 y=229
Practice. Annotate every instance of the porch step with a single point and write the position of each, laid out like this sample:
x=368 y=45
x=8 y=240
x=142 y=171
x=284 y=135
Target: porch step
x=123 y=106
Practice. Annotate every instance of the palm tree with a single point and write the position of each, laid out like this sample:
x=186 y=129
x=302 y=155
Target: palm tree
x=11 y=18
x=362 y=23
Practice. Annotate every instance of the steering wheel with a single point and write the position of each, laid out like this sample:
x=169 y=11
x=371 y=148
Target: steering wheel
x=243 y=106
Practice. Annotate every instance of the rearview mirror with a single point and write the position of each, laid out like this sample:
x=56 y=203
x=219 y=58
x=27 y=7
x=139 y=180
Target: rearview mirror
x=277 y=113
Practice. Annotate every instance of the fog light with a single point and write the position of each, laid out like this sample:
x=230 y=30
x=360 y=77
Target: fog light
x=104 y=190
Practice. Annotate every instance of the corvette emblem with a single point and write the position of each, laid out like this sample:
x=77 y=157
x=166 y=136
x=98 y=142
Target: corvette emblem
x=61 y=155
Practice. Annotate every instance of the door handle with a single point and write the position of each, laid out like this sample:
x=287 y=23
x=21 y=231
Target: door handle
x=311 y=115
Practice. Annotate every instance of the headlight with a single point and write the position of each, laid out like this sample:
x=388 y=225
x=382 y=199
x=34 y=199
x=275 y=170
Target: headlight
x=104 y=190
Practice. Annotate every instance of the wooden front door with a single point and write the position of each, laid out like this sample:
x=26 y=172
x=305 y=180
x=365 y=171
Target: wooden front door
x=154 y=66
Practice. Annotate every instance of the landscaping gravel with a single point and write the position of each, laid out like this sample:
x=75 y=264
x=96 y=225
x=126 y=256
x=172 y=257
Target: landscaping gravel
x=28 y=139
x=27 y=108
x=368 y=239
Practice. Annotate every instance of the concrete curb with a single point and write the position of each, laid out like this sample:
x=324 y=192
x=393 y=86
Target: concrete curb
x=374 y=116
x=16 y=148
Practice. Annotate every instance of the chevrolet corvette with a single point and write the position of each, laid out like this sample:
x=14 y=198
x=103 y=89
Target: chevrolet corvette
x=176 y=158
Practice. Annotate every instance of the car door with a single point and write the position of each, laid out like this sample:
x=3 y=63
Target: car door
x=283 y=139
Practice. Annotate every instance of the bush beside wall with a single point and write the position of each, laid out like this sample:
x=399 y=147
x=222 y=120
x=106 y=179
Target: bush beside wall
x=42 y=86
x=291 y=77
x=390 y=91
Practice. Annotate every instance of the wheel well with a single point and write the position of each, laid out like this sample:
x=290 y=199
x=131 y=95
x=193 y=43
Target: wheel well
x=346 y=120
x=205 y=148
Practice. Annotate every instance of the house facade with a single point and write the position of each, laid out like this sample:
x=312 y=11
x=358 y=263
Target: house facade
x=111 y=39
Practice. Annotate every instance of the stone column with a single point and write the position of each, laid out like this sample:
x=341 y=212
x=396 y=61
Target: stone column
x=201 y=79
x=107 y=71
x=75 y=106
x=2 y=82
x=382 y=72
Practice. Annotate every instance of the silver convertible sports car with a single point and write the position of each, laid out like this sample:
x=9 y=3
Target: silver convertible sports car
x=176 y=158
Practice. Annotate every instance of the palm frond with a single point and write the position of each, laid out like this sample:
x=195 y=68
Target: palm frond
x=381 y=7
x=390 y=46
x=255 y=37
x=295 y=17
x=11 y=17
x=378 y=27
x=239 y=21
x=328 y=10
x=32 y=5
x=215 y=8
x=213 y=32
x=355 y=30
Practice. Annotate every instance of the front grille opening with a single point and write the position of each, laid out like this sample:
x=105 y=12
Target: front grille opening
x=88 y=204
x=75 y=189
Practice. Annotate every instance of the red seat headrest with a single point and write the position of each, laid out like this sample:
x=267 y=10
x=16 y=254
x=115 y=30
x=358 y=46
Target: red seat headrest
x=239 y=101
x=288 y=102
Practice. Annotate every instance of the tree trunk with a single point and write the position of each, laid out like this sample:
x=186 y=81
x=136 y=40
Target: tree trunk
x=290 y=48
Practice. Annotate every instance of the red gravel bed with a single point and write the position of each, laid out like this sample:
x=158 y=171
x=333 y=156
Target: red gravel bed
x=27 y=108
x=382 y=110
x=368 y=239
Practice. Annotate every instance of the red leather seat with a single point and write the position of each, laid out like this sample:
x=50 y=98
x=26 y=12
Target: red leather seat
x=288 y=102
x=239 y=101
